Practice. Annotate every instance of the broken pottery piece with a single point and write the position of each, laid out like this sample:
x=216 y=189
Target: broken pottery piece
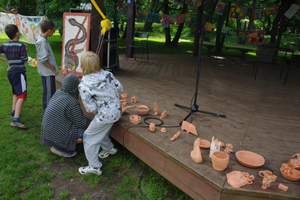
x=163 y=130
x=175 y=136
x=283 y=187
x=219 y=160
x=289 y=172
x=237 y=179
x=163 y=114
x=196 y=153
x=142 y=109
x=228 y=148
x=205 y=144
x=152 y=127
x=268 y=178
x=214 y=146
x=188 y=127
x=155 y=107
x=133 y=99
x=250 y=159
x=135 y=119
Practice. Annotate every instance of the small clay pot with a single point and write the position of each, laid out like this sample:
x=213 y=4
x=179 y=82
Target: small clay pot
x=219 y=160
x=142 y=110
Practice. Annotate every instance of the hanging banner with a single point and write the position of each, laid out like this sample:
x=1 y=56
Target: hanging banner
x=220 y=8
x=154 y=17
x=29 y=26
x=226 y=30
x=141 y=13
x=210 y=27
x=255 y=37
x=258 y=13
x=291 y=11
x=165 y=21
x=180 y=18
x=188 y=17
x=271 y=10
x=235 y=12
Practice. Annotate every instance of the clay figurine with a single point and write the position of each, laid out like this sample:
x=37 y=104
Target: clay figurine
x=221 y=143
x=268 y=178
x=163 y=114
x=296 y=162
x=133 y=99
x=237 y=179
x=135 y=119
x=214 y=146
x=124 y=99
x=175 y=136
x=152 y=127
x=228 y=148
x=196 y=153
x=163 y=130
x=283 y=187
x=155 y=107
x=188 y=127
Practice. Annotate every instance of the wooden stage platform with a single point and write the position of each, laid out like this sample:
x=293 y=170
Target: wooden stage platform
x=262 y=116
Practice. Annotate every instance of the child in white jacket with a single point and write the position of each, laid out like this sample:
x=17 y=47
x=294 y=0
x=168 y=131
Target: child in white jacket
x=99 y=91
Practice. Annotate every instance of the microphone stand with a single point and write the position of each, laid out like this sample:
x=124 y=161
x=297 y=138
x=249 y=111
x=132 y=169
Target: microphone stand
x=195 y=107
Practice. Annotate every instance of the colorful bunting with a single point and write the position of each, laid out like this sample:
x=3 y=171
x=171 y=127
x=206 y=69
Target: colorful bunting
x=271 y=10
x=165 y=21
x=180 y=18
x=220 y=8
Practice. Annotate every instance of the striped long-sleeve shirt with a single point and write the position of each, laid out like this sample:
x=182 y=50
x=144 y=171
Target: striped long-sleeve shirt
x=16 y=55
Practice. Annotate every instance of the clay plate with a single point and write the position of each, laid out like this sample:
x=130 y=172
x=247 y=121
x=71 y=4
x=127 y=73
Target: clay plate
x=205 y=144
x=250 y=159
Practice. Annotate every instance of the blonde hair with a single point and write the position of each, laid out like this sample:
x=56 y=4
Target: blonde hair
x=90 y=62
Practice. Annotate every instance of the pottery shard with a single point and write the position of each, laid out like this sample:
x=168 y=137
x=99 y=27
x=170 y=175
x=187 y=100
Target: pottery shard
x=163 y=130
x=237 y=179
x=163 y=114
x=189 y=128
x=283 y=187
x=175 y=136
x=152 y=127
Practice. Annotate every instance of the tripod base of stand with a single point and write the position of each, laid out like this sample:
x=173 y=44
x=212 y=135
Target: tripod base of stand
x=194 y=108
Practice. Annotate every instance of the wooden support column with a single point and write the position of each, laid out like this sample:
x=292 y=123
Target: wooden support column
x=130 y=25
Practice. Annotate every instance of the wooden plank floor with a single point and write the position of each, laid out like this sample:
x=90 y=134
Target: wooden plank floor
x=262 y=116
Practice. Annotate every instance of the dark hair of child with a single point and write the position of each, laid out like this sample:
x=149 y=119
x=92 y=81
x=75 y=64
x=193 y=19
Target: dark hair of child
x=11 y=30
x=46 y=25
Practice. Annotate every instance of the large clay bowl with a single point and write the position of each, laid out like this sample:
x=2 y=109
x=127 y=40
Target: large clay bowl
x=250 y=159
x=219 y=160
x=205 y=144
x=294 y=176
x=142 y=109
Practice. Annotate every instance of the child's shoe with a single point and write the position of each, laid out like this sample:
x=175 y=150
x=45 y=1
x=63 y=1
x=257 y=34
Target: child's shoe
x=18 y=124
x=88 y=169
x=106 y=153
x=61 y=153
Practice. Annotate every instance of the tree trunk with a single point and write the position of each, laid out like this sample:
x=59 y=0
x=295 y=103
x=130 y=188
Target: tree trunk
x=227 y=21
x=180 y=27
x=167 y=29
x=153 y=9
x=197 y=30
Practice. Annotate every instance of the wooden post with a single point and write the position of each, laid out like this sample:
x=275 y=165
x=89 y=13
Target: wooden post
x=130 y=25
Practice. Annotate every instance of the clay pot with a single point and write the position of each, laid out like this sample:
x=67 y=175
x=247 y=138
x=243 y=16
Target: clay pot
x=219 y=160
x=237 y=179
x=268 y=178
x=196 y=153
x=289 y=172
x=135 y=119
x=250 y=159
x=142 y=110
x=205 y=144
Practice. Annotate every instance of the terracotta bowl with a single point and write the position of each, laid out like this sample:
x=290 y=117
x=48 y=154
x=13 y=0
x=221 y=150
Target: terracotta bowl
x=250 y=159
x=295 y=176
x=142 y=110
x=205 y=144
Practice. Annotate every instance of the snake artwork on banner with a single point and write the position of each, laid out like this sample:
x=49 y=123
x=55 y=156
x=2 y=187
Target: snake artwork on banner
x=76 y=38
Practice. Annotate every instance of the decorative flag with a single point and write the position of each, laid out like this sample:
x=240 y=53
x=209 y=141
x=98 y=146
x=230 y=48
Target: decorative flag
x=165 y=21
x=220 y=8
x=255 y=37
x=189 y=2
x=235 y=12
x=180 y=18
x=141 y=13
x=258 y=13
x=291 y=11
x=197 y=3
x=210 y=27
x=271 y=10
x=153 y=17
x=226 y=30
x=173 y=18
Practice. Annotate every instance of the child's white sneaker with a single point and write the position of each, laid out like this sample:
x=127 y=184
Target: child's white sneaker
x=106 y=153
x=88 y=169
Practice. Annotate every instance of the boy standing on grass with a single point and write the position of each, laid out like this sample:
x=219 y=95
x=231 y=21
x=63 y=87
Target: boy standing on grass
x=99 y=91
x=16 y=56
x=46 y=63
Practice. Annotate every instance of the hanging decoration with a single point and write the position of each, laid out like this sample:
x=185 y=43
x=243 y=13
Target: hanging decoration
x=220 y=8
x=188 y=17
x=197 y=3
x=180 y=18
x=258 y=13
x=235 y=12
x=292 y=11
x=153 y=17
x=141 y=13
x=255 y=37
x=165 y=21
x=271 y=10
x=226 y=30
x=189 y=2
x=209 y=27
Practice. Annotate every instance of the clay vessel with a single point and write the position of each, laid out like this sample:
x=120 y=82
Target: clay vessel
x=289 y=172
x=250 y=159
x=155 y=107
x=283 y=187
x=133 y=99
x=163 y=114
x=142 y=109
x=237 y=179
x=228 y=148
x=196 y=153
x=135 y=119
x=175 y=136
x=188 y=127
x=268 y=178
x=205 y=144
x=152 y=127
x=163 y=130
x=219 y=160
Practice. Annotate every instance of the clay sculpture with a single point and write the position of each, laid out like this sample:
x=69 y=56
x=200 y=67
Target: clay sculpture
x=228 y=148
x=283 y=187
x=155 y=107
x=133 y=99
x=250 y=159
x=163 y=130
x=188 y=127
x=237 y=179
x=163 y=114
x=214 y=146
x=175 y=136
x=135 y=119
x=124 y=108
x=296 y=160
x=196 y=153
x=205 y=144
x=152 y=127
x=268 y=178
x=142 y=109
x=289 y=172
